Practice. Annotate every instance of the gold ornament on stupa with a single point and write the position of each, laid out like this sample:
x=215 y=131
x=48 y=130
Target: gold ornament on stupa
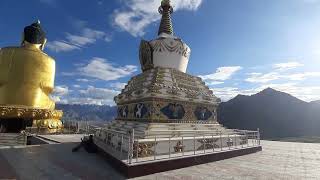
x=26 y=82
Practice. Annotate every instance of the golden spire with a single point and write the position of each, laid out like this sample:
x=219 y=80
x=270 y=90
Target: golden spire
x=166 y=25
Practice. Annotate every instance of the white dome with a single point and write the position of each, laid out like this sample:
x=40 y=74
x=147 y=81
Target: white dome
x=170 y=52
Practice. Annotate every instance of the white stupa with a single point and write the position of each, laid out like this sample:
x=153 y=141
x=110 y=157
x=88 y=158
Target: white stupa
x=164 y=97
x=163 y=92
x=164 y=103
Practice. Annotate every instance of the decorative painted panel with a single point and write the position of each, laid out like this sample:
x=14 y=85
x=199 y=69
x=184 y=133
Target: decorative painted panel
x=140 y=110
x=123 y=111
x=202 y=113
x=173 y=111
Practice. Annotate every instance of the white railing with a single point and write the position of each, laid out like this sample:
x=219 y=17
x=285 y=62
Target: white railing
x=131 y=149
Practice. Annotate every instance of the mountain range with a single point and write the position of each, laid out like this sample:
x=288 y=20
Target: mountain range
x=277 y=114
x=84 y=112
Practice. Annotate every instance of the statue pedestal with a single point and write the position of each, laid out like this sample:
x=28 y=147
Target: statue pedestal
x=18 y=118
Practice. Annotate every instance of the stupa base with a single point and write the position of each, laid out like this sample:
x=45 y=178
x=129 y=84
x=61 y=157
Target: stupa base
x=157 y=147
x=161 y=163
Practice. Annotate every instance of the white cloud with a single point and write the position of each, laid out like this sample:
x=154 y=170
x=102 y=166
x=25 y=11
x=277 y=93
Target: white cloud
x=264 y=78
x=302 y=76
x=280 y=71
x=58 y=92
x=210 y=83
x=99 y=68
x=138 y=14
x=226 y=93
x=118 y=85
x=91 y=95
x=76 y=86
x=287 y=66
x=108 y=38
x=85 y=37
x=79 y=40
x=306 y=93
x=67 y=73
x=222 y=73
x=61 y=90
x=93 y=34
x=99 y=93
x=61 y=46
x=82 y=80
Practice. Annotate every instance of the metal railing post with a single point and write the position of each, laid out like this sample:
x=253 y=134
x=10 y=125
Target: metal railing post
x=212 y=144
x=204 y=144
x=182 y=146
x=137 y=149
x=194 y=144
x=235 y=141
x=247 y=136
x=129 y=141
x=169 y=147
x=241 y=140
x=258 y=136
x=131 y=146
x=221 y=140
x=253 y=138
x=228 y=141
x=155 y=148
x=121 y=146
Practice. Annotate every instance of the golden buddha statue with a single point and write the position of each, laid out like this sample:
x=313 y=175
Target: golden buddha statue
x=26 y=82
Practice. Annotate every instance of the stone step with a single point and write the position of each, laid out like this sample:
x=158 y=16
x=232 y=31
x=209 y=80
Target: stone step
x=10 y=139
x=146 y=130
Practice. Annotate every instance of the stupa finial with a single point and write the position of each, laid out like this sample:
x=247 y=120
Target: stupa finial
x=166 y=24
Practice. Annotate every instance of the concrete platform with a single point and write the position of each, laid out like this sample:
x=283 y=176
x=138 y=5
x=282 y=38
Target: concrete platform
x=278 y=160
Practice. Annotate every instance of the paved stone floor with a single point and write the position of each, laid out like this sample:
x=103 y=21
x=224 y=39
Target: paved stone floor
x=277 y=160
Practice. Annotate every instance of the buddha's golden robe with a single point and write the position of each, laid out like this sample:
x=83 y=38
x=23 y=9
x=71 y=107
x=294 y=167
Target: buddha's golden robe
x=26 y=77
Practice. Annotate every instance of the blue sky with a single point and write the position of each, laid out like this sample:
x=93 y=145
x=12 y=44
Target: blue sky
x=238 y=46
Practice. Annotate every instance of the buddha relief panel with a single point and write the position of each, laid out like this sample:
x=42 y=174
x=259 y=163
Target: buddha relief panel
x=202 y=113
x=173 y=111
x=123 y=111
x=140 y=110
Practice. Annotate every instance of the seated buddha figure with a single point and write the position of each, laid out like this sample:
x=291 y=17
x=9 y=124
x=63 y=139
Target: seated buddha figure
x=27 y=80
x=26 y=72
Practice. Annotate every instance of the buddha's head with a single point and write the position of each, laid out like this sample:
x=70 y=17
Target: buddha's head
x=34 y=34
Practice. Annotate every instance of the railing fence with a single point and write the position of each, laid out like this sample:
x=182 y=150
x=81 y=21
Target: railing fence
x=132 y=149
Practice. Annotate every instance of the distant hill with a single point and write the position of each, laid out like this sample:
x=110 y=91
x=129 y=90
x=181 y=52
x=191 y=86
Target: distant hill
x=87 y=112
x=277 y=114
x=315 y=102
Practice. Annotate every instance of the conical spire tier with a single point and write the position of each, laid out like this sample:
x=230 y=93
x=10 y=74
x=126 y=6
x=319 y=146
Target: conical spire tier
x=167 y=50
x=166 y=24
